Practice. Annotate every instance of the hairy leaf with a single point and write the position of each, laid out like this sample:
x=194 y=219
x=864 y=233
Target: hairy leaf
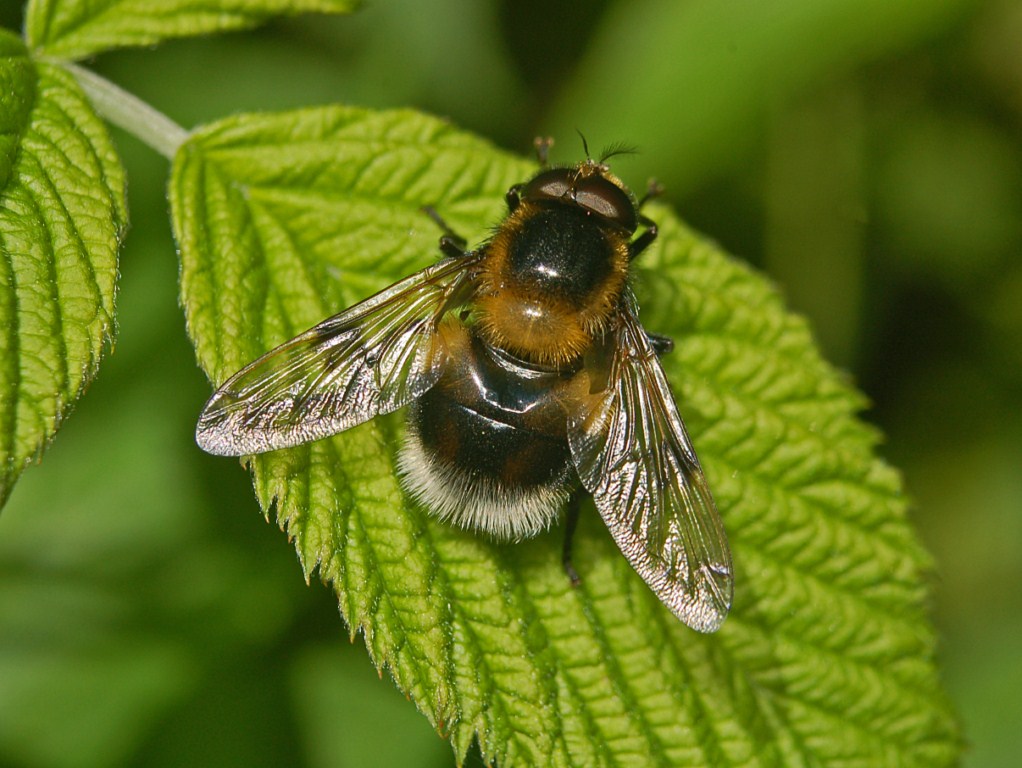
x=74 y=29
x=62 y=215
x=827 y=657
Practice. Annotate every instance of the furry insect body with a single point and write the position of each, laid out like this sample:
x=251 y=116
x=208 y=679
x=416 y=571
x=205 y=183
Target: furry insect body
x=530 y=379
x=550 y=281
x=487 y=447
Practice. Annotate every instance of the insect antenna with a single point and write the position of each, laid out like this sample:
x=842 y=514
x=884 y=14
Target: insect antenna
x=585 y=144
x=617 y=148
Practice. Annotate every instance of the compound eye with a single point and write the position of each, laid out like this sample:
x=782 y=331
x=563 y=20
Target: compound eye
x=553 y=184
x=608 y=200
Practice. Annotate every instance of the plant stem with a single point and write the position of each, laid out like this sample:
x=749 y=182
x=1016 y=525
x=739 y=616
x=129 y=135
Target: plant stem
x=127 y=111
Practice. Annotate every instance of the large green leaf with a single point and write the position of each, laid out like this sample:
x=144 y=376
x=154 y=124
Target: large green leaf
x=62 y=215
x=74 y=29
x=827 y=657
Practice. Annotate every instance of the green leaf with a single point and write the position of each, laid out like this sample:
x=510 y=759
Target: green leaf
x=62 y=216
x=827 y=657
x=75 y=29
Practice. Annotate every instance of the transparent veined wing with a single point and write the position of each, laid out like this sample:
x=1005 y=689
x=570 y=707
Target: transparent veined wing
x=633 y=455
x=370 y=359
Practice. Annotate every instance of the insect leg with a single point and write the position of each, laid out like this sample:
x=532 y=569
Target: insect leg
x=513 y=197
x=643 y=241
x=661 y=344
x=451 y=243
x=653 y=189
x=542 y=146
x=570 y=523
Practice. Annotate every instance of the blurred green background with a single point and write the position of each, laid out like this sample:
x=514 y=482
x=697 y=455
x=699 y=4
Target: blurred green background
x=866 y=155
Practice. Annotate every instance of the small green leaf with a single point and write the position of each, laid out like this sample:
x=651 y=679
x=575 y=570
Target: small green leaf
x=827 y=657
x=62 y=216
x=74 y=29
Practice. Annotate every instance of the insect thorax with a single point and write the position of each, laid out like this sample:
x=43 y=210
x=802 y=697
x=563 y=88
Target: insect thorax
x=550 y=282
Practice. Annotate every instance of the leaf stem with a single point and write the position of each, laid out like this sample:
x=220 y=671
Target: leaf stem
x=127 y=111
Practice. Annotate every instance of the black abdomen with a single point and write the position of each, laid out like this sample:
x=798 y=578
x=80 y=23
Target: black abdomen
x=505 y=451
x=487 y=446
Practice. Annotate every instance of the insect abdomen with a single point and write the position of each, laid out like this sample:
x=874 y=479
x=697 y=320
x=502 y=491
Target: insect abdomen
x=487 y=448
x=491 y=450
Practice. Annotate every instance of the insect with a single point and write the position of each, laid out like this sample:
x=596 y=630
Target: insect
x=529 y=381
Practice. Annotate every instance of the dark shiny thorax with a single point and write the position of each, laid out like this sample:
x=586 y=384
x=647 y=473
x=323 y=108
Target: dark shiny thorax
x=561 y=251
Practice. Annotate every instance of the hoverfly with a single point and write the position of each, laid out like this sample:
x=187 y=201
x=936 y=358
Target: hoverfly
x=529 y=380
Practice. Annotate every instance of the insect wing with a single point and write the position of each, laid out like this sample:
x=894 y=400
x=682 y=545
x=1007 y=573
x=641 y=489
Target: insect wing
x=631 y=451
x=368 y=360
